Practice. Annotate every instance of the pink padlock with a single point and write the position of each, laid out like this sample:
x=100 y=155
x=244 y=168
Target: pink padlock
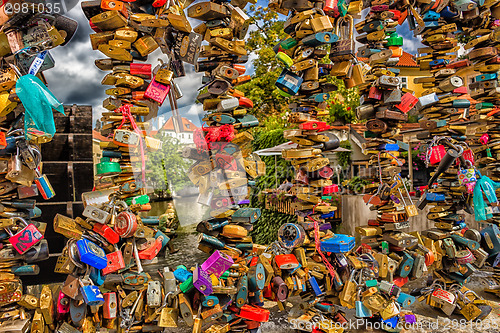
x=26 y=238
x=62 y=308
x=157 y=91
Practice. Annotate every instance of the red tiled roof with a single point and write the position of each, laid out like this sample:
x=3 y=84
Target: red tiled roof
x=406 y=60
x=187 y=125
x=98 y=136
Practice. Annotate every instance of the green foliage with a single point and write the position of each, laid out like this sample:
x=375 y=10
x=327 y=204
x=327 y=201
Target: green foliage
x=355 y=184
x=261 y=90
x=267 y=139
x=266 y=228
x=343 y=103
x=167 y=163
x=344 y=157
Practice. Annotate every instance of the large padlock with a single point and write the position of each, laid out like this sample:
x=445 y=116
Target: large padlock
x=343 y=49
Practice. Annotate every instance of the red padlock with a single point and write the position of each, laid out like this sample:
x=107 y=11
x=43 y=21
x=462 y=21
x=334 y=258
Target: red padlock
x=126 y=224
x=408 y=101
x=286 y=261
x=400 y=281
x=151 y=251
x=254 y=313
x=226 y=162
x=115 y=262
x=157 y=91
x=141 y=69
x=109 y=308
x=106 y=232
x=375 y=93
x=331 y=8
x=3 y=140
x=334 y=188
x=437 y=154
x=26 y=238
x=62 y=306
x=240 y=68
x=246 y=102
x=460 y=90
x=468 y=155
x=314 y=125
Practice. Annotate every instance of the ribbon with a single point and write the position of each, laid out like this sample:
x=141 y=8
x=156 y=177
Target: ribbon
x=125 y=110
x=329 y=266
x=37 y=63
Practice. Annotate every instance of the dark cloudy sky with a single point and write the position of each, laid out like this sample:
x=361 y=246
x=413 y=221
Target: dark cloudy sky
x=75 y=79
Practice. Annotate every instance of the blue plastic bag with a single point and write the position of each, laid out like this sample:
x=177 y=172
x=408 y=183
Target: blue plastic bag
x=38 y=102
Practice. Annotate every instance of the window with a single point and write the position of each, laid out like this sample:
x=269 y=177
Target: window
x=404 y=82
x=187 y=125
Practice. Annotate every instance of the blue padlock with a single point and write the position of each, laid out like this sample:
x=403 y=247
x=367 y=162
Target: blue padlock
x=392 y=323
x=242 y=295
x=485 y=77
x=389 y=147
x=91 y=254
x=315 y=286
x=209 y=301
x=96 y=276
x=182 y=274
x=289 y=82
x=405 y=300
x=92 y=295
x=431 y=16
x=438 y=62
x=338 y=243
x=406 y=265
x=429 y=196
x=361 y=310
x=446 y=13
x=165 y=238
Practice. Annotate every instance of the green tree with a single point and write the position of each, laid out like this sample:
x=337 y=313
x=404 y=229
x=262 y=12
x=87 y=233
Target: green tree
x=260 y=41
x=166 y=165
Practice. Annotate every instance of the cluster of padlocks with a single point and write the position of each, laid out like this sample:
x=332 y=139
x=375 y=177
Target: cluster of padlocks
x=27 y=122
x=106 y=285
x=309 y=30
x=222 y=149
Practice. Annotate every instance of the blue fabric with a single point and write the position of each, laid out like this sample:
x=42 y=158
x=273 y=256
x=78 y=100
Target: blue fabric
x=38 y=102
x=487 y=186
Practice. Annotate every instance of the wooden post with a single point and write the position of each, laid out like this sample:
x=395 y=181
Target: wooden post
x=410 y=166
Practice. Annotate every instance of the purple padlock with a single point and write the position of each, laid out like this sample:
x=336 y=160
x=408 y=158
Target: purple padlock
x=410 y=319
x=217 y=263
x=202 y=281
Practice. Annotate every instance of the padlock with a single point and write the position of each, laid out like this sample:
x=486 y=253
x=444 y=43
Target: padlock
x=91 y=254
x=91 y=294
x=26 y=238
x=46 y=304
x=446 y=299
x=109 y=308
x=169 y=314
x=343 y=49
x=115 y=262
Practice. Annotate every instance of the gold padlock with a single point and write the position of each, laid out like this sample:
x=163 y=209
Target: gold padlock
x=47 y=304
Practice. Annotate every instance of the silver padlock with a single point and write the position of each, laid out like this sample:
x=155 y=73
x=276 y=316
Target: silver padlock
x=96 y=214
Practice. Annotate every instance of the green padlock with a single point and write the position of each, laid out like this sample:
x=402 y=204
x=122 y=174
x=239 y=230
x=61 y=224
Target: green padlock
x=137 y=200
x=106 y=167
x=284 y=59
x=186 y=285
x=394 y=40
x=288 y=43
